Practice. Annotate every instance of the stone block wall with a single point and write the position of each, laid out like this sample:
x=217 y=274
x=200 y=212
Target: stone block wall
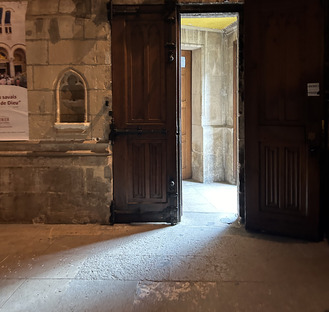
x=39 y=186
x=67 y=35
x=63 y=174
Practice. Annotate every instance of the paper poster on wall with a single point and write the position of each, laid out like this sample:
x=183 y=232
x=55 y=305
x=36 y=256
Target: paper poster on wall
x=13 y=113
x=13 y=83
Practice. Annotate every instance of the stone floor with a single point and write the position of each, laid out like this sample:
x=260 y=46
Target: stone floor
x=205 y=263
x=209 y=197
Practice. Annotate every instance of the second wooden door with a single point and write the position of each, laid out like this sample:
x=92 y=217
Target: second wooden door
x=186 y=113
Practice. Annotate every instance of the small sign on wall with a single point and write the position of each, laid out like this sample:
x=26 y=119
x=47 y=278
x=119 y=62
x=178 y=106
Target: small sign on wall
x=313 y=89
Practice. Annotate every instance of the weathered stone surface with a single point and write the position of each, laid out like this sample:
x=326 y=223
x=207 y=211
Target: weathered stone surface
x=142 y=268
x=29 y=76
x=100 y=126
x=69 y=28
x=98 y=76
x=40 y=7
x=67 y=6
x=54 y=187
x=41 y=102
x=45 y=77
x=37 y=52
x=41 y=126
x=97 y=99
x=76 y=52
x=93 y=30
x=36 y=28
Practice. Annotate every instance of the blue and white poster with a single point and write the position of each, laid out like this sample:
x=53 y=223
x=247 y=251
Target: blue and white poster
x=13 y=83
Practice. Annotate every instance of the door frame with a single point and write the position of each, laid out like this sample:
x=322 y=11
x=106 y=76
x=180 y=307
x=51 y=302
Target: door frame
x=211 y=9
x=324 y=181
x=188 y=121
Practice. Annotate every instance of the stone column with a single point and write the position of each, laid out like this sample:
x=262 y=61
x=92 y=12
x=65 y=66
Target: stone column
x=11 y=67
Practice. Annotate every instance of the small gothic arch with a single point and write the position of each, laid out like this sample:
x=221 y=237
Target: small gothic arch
x=72 y=98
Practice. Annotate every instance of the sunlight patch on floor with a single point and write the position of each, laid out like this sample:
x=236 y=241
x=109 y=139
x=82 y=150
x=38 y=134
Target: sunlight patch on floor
x=209 y=197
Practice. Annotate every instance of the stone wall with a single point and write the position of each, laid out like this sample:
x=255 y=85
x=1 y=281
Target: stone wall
x=61 y=36
x=212 y=103
x=63 y=174
x=42 y=185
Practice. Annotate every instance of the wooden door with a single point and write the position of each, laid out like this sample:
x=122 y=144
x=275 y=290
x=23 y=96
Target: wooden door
x=144 y=128
x=283 y=57
x=186 y=114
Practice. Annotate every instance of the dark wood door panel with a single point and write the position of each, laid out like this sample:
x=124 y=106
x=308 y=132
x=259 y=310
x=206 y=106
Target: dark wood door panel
x=145 y=72
x=288 y=59
x=144 y=125
x=139 y=70
x=147 y=170
x=283 y=179
x=283 y=54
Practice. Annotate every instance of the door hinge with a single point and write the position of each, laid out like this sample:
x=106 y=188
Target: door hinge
x=114 y=132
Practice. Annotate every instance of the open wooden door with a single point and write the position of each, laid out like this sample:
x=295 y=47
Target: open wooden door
x=186 y=114
x=284 y=43
x=144 y=129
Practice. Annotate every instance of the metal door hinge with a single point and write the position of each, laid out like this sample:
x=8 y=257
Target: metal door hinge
x=114 y=132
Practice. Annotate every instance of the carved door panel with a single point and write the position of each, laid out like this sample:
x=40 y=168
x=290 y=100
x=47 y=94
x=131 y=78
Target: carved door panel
x=186 y=113
x=143 y=130
x=283 y=56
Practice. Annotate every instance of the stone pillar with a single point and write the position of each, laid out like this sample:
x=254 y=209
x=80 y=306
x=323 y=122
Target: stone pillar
x=11 y=67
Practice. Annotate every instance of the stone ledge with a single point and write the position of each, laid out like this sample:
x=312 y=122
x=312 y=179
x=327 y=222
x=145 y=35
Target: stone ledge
x=52 y=154
x=76 y=127
x=54 y=147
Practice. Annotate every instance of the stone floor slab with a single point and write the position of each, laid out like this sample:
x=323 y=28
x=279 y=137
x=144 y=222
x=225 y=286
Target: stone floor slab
x=8 y=288
x=67 y=295
x=228 y=297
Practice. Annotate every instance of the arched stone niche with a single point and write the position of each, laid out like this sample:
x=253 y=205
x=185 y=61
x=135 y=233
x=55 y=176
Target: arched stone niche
x=72 y=98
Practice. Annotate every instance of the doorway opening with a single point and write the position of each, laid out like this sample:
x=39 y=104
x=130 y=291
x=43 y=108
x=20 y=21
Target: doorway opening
x=209 y=112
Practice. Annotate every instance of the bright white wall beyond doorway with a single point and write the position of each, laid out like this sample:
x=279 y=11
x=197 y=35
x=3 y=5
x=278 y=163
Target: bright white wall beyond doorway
x=212 y=102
